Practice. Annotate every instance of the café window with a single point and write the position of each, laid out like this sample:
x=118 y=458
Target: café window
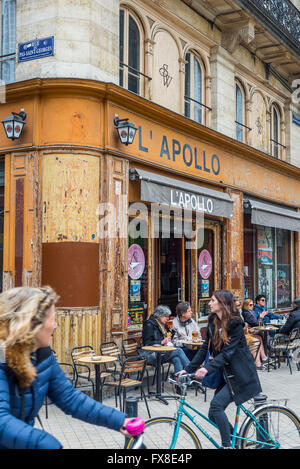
x=268 y=264
x=137 y=281
x=193 y=94
x=208 y=266
x=8 y=40
x=131 y=50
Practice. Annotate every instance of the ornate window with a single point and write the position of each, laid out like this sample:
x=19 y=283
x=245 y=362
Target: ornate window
x=131 y=58
x=194 y=90
x=239 y=113
x=275 y=131
x=8 y=40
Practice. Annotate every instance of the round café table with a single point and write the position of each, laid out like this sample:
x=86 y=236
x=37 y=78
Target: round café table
x=159 y=350
x=198 y=343
x=97 y=361
x=265 y=331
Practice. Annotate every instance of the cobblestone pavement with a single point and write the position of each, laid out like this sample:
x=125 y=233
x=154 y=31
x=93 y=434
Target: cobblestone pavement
x=75 y=434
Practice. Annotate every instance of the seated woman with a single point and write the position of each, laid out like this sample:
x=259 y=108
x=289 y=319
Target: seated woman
x=183 y=327
x=251 y=320
x=252 y=338
x=155 y=332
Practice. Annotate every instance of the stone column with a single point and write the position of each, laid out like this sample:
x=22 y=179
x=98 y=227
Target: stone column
x=223 y=96
x=234 y=264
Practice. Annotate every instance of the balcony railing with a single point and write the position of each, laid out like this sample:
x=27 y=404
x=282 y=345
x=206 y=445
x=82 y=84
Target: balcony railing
x=279 y=16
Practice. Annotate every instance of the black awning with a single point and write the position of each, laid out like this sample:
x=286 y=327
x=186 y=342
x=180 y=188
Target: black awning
x=275 y=216
x=178 y=194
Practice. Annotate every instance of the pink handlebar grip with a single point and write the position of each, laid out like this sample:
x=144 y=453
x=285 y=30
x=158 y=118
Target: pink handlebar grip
x=135 y=426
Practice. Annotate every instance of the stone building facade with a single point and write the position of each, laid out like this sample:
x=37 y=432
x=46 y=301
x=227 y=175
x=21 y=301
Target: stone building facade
x=211 y=87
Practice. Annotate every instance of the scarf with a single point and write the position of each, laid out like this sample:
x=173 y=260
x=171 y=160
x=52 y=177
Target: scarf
x=162 y=328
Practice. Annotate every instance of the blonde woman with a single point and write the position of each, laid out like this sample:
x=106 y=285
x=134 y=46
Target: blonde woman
x=250 y=320
x=29 y=372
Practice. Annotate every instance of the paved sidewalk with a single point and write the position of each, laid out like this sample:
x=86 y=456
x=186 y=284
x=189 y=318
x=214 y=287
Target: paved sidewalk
x=75 y=434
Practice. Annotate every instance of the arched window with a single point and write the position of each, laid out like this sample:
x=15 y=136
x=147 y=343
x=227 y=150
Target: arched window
x=239 y=113
x=193 y=92
x=131 y=60
x=274 y=131
x=8 y=40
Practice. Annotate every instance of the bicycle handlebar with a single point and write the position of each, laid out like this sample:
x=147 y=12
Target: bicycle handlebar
x=135 y=426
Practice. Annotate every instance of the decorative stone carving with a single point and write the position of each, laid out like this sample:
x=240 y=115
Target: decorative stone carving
x=242 y=33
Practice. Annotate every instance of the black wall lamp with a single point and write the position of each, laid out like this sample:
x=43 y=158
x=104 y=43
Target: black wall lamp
x=13 y=125
x=126 y=130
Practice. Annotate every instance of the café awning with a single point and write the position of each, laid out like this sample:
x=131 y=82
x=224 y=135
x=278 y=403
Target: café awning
x=160 y=189
x=275 y=216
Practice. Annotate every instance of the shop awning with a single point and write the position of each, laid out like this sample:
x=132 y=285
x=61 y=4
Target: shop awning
x=160 y=189
x=275 y=216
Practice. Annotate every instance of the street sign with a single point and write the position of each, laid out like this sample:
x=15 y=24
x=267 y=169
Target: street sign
x=36 y=49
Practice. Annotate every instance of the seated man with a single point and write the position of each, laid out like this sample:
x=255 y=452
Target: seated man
x=293 y=321
x=261 y=311
x=155 y=332
x=183 y=327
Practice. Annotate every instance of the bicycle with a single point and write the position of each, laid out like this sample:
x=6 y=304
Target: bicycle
x=269 y=426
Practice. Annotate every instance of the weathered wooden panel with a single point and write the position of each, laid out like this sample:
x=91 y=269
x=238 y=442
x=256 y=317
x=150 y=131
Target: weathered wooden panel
x=76 y=327
x=70 y=197
x=113 y=253
x=21 y=256
x=235 y=246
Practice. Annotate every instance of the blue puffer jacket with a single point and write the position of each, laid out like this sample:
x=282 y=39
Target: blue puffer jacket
x=50 y=381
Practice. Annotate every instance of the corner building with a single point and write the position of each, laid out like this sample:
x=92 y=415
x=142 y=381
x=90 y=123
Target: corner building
x=209 y=87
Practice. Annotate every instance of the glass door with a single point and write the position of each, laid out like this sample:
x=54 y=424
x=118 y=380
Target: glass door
x=169 y=271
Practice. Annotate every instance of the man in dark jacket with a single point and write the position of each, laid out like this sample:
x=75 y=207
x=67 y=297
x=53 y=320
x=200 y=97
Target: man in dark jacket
x=293 y=321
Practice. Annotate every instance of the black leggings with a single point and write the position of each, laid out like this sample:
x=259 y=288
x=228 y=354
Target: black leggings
x=216 y=413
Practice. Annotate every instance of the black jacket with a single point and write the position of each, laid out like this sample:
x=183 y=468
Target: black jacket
x=152 y=333
x=250 y=317
x=293 y=321
x=235 y=359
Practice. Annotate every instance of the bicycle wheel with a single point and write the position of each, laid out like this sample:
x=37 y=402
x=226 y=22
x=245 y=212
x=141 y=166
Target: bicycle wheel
x=282 y=425
x=159 y=431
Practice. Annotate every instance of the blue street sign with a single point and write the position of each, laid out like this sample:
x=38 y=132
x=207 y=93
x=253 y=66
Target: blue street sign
x=36 y=49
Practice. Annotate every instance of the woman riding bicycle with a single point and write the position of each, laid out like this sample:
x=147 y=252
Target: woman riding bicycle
x=239 y=379
x=29 y=372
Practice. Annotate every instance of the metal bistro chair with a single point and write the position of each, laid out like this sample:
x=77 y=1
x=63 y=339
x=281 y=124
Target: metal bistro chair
x=285 y=346
x=134 y=365
x=69 y=371
x=84 y=377
x=111 y=370
x=131 y=347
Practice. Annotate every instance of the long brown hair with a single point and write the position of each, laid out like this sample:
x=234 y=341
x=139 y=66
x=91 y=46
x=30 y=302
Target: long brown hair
x=226 y=300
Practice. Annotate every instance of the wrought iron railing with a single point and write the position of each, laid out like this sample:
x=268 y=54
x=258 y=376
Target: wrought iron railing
x=281 y=16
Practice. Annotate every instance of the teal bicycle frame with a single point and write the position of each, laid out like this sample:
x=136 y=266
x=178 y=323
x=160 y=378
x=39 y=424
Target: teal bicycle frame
x=269 y=443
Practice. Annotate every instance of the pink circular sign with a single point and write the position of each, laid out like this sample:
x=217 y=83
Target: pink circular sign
x=205 y=264
x=136 y=261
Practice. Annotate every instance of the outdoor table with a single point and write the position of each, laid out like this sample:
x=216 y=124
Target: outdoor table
x=159 y=349
x=97 y=361
x=265 y=330
x=198 y=343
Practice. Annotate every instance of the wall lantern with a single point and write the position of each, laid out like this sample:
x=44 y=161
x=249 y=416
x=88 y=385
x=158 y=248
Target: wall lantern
x=125 y=129
x=13 y=125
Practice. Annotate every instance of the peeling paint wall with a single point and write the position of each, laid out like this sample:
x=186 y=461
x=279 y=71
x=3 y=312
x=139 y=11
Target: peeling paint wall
x=70 y=197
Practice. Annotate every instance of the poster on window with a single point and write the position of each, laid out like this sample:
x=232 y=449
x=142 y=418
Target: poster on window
x=265 y=245
x=283 y=285
x=204 y=288
x=135 y=291
x=136 y=261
